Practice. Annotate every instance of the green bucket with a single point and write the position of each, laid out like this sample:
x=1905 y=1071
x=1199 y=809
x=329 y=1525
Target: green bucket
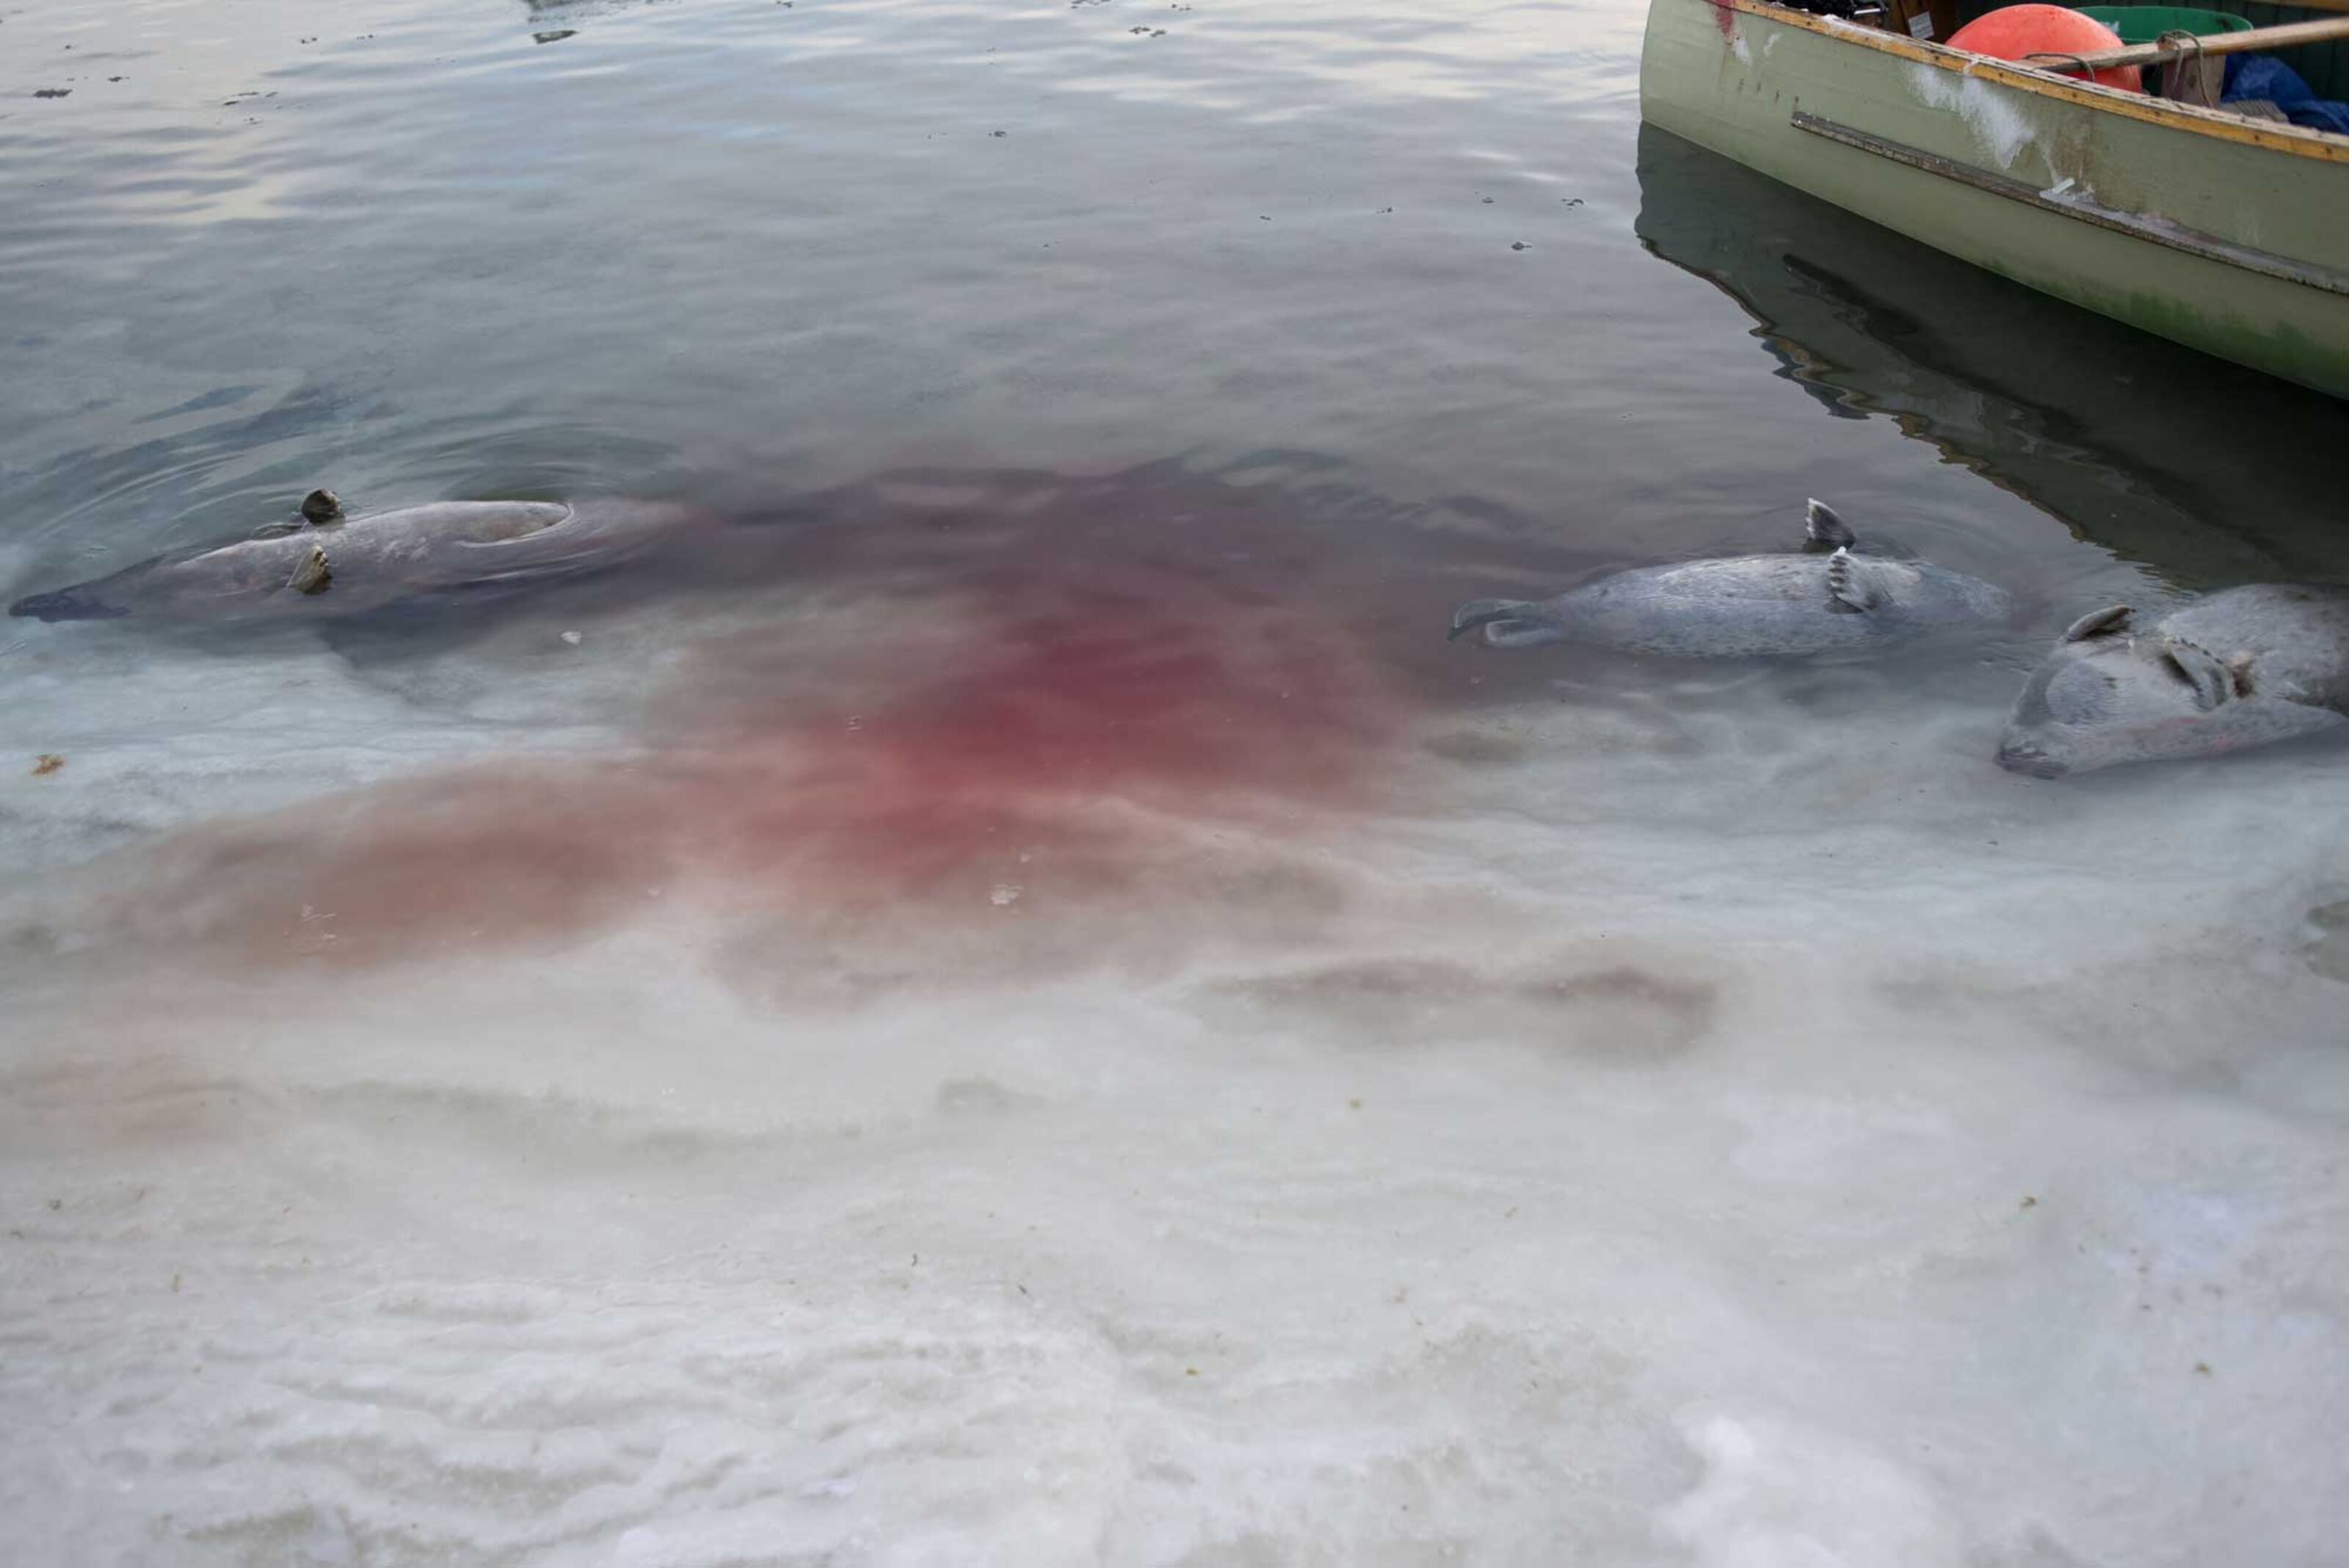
x=2144 y=24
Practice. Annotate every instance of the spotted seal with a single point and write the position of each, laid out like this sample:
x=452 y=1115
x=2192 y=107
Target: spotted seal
x=2242 y=667
x=331 y=564
x=1828 y=598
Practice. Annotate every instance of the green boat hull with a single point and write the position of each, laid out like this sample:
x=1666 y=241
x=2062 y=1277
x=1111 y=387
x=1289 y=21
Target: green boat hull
x=2220 y=233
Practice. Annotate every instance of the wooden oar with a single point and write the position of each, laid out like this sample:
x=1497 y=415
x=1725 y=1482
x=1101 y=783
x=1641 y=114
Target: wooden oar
x=2282 y=37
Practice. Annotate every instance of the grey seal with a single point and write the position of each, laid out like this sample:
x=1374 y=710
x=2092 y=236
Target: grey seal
x=333 y=564
x=1829 y=599
x=2242 y=667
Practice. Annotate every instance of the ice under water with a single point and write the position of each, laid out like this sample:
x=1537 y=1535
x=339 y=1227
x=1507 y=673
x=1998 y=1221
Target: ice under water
x=1013 y=1001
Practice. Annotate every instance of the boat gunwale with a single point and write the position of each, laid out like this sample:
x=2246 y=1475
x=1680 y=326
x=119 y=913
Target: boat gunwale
x=2300 y=142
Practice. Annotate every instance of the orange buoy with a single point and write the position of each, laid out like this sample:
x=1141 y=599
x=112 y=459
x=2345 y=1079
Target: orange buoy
x=2014 y=32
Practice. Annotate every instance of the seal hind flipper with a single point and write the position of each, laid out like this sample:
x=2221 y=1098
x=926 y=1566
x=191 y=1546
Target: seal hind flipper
x=1482 y=612
x=1823 y=529
x=1852 y=583
x=1506 y=623
x=67 y=604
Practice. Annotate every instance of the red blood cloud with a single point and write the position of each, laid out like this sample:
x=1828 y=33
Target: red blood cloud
x=1011 y=685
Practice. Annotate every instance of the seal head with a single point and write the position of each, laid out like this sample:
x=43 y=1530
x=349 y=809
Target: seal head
x=2243 y=668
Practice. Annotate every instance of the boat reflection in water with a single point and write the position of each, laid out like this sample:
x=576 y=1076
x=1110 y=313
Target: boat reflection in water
x=2205 y=472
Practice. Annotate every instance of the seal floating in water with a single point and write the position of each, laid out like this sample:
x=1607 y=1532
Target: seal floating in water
x=2243 y=667
x=339 y=566
x=1829 y=599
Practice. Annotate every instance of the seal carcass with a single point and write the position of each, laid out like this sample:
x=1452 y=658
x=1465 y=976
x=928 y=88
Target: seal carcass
x=2243 y=667
x=339 y=567
x=1829 y=599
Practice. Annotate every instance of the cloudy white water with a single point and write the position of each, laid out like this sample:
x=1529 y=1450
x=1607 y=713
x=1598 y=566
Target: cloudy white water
x=1005 y=997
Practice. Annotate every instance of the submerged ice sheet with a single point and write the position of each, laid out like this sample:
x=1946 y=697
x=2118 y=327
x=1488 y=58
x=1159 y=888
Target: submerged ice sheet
x=1361 y=1138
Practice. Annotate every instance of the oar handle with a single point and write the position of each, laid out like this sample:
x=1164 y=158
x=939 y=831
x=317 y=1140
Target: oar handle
x=2282 y=37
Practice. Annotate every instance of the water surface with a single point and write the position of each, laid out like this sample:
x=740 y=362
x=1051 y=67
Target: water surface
x=1008 y=998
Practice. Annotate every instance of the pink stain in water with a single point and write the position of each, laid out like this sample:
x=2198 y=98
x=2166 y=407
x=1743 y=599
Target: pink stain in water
x=1067 y=743
x=1063 y=724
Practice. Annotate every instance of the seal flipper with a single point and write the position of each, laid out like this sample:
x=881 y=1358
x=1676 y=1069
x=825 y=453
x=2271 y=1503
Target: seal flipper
x=1823 y=529
x=1506 y=623
x=2096 y=623
x=313 y=575
x=67 y=604
x=1853 y=582
x=319 y=509
x=2212 y=681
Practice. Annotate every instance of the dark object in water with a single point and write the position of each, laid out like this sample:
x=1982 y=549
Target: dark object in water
x=2243 y=667
x=1744 y=606
x=366 y=562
